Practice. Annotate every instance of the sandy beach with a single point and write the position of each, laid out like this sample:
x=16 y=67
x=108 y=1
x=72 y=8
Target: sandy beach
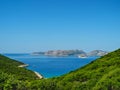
x=38 y=74
x=24 y=65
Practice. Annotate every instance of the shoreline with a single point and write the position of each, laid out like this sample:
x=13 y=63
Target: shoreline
x=38 y=75
x=24 y=65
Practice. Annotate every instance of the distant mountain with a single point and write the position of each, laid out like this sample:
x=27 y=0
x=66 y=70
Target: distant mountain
x=64 y=52
x=97 y=53
x=80 y=53
x=38 y=53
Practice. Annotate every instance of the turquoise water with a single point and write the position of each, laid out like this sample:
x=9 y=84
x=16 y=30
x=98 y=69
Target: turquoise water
x=51 y=66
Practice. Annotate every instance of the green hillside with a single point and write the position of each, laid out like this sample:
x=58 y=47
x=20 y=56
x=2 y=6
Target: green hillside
x=101 y=74
x=10 y=73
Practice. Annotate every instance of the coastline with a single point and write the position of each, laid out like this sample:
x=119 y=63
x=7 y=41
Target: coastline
x=38 y=75
x=24 y=65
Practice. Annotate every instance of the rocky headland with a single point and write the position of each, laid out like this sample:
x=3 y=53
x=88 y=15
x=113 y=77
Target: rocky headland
x=65 y=53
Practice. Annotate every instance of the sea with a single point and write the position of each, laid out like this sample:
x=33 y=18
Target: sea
x=51 y=66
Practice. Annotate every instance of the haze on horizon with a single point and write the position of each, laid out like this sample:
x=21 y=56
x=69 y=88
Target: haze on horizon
x=40 y=25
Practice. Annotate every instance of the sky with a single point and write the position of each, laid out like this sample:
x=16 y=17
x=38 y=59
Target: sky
x=41 y=25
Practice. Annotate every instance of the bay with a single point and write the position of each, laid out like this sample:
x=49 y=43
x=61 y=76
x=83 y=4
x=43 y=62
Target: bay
x=51 y=66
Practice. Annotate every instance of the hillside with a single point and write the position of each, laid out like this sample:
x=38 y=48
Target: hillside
x=10 y=73
x=101 y=74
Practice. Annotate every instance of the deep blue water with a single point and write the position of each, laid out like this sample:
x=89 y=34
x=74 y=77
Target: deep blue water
x=51 y=66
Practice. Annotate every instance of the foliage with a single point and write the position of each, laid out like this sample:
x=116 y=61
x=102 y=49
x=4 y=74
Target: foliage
x=11 y=75
x=101 y=74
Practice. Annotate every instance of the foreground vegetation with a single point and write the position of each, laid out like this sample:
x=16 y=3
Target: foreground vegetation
x=12 y=76
x=101 y=74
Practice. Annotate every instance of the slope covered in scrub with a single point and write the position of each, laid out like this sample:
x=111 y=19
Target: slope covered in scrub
x=101 y=74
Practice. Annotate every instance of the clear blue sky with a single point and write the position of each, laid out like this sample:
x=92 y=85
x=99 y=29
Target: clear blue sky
x=39 y=25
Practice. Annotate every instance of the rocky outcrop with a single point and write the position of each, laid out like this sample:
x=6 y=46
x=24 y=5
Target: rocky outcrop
x=97 y=53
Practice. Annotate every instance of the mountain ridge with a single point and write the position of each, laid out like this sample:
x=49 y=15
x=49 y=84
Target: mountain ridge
x=65 y=53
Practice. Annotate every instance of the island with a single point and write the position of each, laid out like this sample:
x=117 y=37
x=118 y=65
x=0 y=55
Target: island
x=66 y=53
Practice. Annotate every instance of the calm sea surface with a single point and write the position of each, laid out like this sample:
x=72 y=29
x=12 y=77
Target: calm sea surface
x=51 y=66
